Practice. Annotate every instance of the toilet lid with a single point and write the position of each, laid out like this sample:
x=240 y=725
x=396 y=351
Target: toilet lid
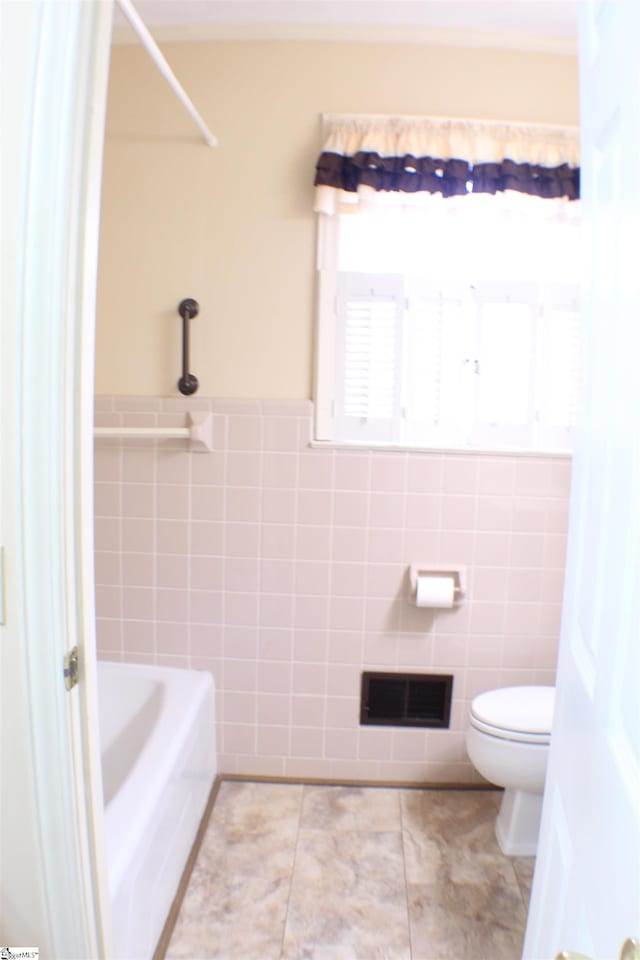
x=515 y=713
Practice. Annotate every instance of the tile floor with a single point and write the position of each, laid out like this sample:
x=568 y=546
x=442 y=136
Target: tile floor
x=311 y=872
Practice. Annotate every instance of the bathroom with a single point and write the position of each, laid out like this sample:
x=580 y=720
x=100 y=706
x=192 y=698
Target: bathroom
x=279 y=567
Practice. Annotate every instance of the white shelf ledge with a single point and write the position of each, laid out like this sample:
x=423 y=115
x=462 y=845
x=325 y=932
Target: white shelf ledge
x=198 y=432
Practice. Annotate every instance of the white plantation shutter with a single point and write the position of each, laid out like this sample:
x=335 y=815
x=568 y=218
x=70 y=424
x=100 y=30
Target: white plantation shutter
x=504 y=364
x=559 y=348
x=437 y=380
x=494 y=365
x=369 y=318
x=451 y=344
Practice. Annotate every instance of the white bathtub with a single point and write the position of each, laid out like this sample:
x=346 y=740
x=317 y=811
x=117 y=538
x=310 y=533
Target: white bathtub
x=157 y=737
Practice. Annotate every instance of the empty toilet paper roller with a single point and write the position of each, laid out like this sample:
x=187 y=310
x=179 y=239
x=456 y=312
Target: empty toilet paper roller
x=435 y=588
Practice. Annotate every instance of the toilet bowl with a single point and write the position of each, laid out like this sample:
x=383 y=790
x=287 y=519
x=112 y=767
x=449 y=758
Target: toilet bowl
x=508 y=742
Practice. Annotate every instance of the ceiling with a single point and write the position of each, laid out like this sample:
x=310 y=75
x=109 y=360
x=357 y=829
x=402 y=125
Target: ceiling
x=543 y=24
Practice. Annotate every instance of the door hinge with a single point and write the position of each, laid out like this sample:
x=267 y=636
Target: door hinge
x=71 y=668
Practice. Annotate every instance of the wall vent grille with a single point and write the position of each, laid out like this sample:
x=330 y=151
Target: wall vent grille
x=406 y=699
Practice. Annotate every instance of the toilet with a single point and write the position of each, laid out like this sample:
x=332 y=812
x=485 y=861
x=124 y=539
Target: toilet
x=508 y=742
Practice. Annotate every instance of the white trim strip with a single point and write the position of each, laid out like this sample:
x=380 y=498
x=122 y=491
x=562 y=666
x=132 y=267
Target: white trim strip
x=199 y=431
x=330 y=118
x=142 y=433
x=156 y=55
x=386 y=447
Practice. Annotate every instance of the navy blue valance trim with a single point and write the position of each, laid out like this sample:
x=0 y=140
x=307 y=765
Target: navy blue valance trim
x=451 y=178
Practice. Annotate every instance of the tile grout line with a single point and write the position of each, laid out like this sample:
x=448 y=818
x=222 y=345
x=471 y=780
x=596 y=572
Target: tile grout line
x=292 y=872
x=404 y=871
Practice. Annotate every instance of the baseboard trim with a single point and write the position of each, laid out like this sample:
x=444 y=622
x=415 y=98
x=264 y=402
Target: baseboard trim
x=167 y=931
x=329 y=782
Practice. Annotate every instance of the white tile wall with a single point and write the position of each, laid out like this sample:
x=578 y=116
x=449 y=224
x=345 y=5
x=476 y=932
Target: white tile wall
x=282 y=569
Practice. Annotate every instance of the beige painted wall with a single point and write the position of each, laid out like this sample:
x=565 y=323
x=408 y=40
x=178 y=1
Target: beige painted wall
x=233 y=227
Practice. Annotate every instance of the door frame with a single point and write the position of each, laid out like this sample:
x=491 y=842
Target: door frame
x=54 y=70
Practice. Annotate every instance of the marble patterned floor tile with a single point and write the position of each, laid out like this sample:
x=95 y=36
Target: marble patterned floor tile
x=348 y=899
x=466 y=921
x=464 y=897
x=524 y=867
x=336 y=808
x=452 y=834
x=236 y=902
x=457 y=816
x=246 y=807
x=292 y=872
x=241 y=918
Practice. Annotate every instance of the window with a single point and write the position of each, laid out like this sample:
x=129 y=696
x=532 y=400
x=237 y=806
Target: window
x=449 y=322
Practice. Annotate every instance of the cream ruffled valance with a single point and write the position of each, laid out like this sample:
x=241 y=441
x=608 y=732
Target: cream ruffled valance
x=409 y=155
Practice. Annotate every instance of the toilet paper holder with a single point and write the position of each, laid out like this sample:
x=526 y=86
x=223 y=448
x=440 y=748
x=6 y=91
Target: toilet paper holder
x=457 y=573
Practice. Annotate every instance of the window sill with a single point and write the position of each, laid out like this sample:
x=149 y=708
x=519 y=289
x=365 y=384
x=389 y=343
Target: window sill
x=455 y=451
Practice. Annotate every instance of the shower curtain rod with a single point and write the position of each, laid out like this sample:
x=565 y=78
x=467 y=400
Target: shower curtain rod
x=156 y=55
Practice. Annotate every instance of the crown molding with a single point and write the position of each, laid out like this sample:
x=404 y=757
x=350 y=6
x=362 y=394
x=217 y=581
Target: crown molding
x=353 y=33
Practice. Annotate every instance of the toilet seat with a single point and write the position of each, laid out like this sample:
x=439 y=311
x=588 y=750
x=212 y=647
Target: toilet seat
x=521 y=714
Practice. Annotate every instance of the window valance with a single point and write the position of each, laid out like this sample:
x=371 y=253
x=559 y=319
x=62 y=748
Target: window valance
x=368 y=155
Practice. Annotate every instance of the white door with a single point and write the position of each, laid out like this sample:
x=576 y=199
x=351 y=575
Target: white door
x=54 y=63
x=586 y=895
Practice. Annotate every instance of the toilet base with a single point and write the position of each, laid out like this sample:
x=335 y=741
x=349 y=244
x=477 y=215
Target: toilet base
x=518 y=823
